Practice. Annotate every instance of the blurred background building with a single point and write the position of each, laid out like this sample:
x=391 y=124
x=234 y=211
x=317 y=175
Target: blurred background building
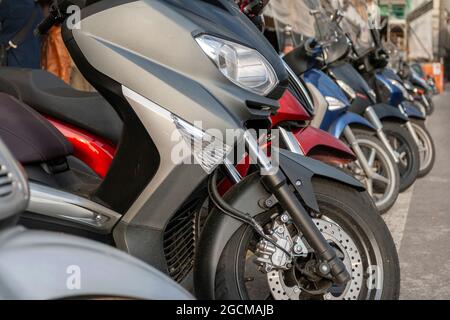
x=420 y=28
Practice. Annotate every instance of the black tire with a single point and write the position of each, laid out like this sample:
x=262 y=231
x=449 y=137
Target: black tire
x=356 y=214
x=428 y=142
x=404 y=143
x=388 y=200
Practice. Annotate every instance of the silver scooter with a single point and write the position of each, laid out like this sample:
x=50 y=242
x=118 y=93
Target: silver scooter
x=39 y=265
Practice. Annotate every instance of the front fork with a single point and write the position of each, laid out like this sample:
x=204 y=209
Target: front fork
x=373 y=118
x=413 y=132
x=277 y=182
x=426 y=102
x=350 y=136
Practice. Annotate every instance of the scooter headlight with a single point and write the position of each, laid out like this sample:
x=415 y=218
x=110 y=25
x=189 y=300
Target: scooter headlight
x=334 y=104
x=242 y=65
x=208 y=151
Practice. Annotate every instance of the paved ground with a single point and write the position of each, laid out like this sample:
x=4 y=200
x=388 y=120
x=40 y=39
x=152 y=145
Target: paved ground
x=420 y=221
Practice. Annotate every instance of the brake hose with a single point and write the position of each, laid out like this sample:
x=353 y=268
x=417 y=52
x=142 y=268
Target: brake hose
x=225 y=208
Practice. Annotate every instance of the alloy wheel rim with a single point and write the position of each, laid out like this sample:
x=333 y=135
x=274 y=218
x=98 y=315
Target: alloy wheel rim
x=378 y=161
x=361 y=257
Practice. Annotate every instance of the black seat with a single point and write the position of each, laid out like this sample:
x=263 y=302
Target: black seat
x=53 y=97
x=29 y=136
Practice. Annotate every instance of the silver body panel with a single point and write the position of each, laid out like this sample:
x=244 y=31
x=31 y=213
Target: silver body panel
x=69 y=207
x=177 y=80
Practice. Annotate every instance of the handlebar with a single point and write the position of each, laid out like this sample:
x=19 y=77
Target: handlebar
x=58 y=12
x=46 y=25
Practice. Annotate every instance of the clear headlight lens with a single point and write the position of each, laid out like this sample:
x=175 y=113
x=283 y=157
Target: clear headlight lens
x=242 y=65
x=347 y=89
x=207 y=150
x=334 y=104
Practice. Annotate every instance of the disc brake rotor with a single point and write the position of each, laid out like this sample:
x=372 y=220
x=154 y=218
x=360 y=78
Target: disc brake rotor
x=351 y=258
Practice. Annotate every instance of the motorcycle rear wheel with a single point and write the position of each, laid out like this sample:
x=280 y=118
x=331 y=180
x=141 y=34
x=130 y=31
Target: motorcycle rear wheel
x=350 y=222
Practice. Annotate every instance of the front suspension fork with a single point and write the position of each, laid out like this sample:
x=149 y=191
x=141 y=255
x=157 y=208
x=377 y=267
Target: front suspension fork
x=413 y=132
x=277 y=183
x=350 y=136
x=373 y=118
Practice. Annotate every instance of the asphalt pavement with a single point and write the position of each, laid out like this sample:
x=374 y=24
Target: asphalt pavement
x=420 y=220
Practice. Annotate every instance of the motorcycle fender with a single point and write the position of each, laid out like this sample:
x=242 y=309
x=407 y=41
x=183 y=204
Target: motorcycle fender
x=388 y=112
x=219 y=228
x=412 y=111
x=317 y=143
x=39 y=265
x=349 y=118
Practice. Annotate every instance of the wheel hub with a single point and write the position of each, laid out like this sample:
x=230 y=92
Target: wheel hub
x=283 y=288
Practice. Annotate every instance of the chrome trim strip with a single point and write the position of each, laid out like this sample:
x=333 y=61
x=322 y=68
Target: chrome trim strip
x=291 y=142
x=68 y=207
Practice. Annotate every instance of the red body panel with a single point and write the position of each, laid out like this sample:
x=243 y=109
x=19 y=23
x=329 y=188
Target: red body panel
x=321 y=145
x=290 y=110
x=95 y=152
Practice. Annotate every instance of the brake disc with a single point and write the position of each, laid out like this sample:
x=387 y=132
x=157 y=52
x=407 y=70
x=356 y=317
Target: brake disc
x=352 y=261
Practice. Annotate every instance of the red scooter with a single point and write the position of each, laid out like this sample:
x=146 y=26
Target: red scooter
x=93 y=128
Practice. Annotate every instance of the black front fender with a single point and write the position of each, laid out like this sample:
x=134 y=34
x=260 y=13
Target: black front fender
x=246 y=197
x=388 y=112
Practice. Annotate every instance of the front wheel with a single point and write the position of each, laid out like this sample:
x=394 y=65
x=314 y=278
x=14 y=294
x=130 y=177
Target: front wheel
x=351 y=224
x=383 y=185
x=427 y=149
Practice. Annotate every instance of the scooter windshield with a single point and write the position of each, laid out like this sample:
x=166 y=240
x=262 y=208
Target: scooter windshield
x=298 y=20
x=359 y=16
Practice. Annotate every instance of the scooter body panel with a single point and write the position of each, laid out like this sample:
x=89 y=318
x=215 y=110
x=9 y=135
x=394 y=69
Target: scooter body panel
x=412 y=111
x=290 y=110
x=47 y=266
x=94 y=151
x=388 y=112
x=347 y=73
x=328 y=88
x=335 y=121
x=348 y=119
x=396 y=95
x=321 y=145
x=418 y=81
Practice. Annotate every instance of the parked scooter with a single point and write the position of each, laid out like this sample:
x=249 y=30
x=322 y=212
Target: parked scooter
x=327 y=48
x=155 y=215
x=417 y=86
x=380 y=177
x=394 y=122
x=40 y=265
x=371 y=61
